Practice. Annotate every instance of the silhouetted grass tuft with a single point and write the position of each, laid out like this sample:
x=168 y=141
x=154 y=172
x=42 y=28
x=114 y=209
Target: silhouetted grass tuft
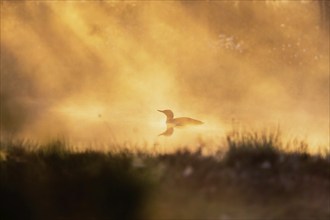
x=252 y=149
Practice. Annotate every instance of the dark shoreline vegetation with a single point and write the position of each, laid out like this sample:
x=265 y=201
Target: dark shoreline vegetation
x=256 y=178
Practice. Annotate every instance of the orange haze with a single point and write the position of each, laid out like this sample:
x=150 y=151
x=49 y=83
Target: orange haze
x=99 y=70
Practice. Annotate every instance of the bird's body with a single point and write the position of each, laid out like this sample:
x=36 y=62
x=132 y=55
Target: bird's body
x=172 y=122
x=183 y=121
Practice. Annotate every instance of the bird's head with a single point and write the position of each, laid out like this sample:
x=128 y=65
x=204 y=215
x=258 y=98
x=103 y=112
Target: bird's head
x=169 y=114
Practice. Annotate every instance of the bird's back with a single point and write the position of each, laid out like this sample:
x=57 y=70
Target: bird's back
x=184 y=121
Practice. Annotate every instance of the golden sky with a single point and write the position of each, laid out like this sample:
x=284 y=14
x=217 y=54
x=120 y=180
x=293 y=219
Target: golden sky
x=99 y=70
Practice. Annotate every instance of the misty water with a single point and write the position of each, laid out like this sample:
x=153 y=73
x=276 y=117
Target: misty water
x=99 y=71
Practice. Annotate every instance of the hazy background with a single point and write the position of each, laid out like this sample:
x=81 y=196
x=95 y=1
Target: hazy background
x=98 y=71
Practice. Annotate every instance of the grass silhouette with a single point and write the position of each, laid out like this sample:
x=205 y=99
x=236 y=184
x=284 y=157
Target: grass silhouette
x=256 y=178
x=54 y=183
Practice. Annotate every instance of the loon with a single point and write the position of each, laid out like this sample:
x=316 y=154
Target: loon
x=172 y=122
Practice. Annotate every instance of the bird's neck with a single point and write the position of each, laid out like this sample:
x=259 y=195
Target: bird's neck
x=169 y=119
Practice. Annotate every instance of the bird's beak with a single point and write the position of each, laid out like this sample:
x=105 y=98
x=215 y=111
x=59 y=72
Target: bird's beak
x=160 y=110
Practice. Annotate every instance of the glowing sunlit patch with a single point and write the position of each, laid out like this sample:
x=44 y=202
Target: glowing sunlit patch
x=84 y=112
